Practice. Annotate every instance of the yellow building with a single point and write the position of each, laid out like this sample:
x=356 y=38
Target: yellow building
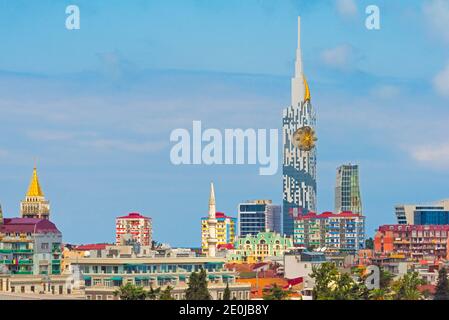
x=225 y=229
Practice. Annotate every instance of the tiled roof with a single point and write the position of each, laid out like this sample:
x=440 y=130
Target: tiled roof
x=408 y=227
x=93 y=246
x=28 y=225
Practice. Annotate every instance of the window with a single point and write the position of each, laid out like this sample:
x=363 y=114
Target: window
x=44 y=245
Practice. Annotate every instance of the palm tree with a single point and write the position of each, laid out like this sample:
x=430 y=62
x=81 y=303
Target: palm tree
x=406 y=288
x=379 y=294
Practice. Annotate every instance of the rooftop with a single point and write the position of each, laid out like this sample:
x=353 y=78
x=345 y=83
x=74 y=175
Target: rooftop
x=327 y=214
x=28 y=225
x=133 y=215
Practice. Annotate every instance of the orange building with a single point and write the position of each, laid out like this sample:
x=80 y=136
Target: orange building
x=414 y=242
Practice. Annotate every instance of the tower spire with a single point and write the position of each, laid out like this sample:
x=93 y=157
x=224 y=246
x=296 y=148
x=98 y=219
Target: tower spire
x=34 y=189
x=298 y=62
x=212 y=223
x=300 y=88
x=35 y=205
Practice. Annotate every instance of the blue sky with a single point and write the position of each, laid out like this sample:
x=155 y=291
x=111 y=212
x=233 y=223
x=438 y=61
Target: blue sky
x=96 y=106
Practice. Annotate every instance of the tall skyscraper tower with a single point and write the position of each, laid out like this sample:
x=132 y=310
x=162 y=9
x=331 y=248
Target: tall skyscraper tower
x=34 y=205
x=212 y=224
x=347 y=189
x=298 y=132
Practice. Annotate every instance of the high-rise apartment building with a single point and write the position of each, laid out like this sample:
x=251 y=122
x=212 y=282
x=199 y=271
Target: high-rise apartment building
x=413 y=242
x=336 y=233
x=134 y=228
x=347 y=189
x=299 y=152
x=256 y=216
x=226 y=230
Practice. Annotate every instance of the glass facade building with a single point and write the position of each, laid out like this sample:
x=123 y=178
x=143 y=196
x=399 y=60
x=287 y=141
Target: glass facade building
x=258 y=216
x=347 y=189
x=427 y=214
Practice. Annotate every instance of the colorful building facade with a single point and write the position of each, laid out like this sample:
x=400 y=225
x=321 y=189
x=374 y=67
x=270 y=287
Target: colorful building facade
x=30 y=246
x=412 y=242
x=336 y=233
x=133 y=227
x=260 y=247
x=225 y=230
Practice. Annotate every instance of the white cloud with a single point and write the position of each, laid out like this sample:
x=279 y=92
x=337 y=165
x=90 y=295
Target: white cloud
x=435 y=155
x=339 y=57
x=441 y=81
x=347 y=8
x=437 y=15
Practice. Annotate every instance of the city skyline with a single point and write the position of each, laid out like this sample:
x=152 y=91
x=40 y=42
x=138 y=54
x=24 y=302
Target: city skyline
x=97 y=114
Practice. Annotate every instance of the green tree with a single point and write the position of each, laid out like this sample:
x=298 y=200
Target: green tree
x=130 y=292
x=275 y=293
x=153 y=294
x=442 y=289
x=406 y=288
x=325 y=276
x=227 y=293
x=330 y=284
x=197 y=286
x=166 y=294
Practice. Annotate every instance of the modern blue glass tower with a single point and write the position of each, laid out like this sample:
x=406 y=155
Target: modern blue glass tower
x=299 y=152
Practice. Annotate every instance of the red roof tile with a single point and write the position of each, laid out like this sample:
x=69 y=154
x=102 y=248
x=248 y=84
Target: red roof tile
x=28 y=225
x=133 y=215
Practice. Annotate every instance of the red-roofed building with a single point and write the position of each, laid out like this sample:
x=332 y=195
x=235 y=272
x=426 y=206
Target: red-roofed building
x=30 y=246
x=341 y=232
x=133 y=227
x=416 y=242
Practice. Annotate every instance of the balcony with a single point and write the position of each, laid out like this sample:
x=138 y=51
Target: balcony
x=22 y=250
x=4 y=261
x=23 y=272
x=55 y=261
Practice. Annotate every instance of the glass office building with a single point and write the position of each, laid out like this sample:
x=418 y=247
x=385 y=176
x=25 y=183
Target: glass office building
x=347 y=189
x=258 y=216
x=426 y=214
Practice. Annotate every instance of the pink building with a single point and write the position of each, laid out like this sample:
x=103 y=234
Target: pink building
x=135 y=227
